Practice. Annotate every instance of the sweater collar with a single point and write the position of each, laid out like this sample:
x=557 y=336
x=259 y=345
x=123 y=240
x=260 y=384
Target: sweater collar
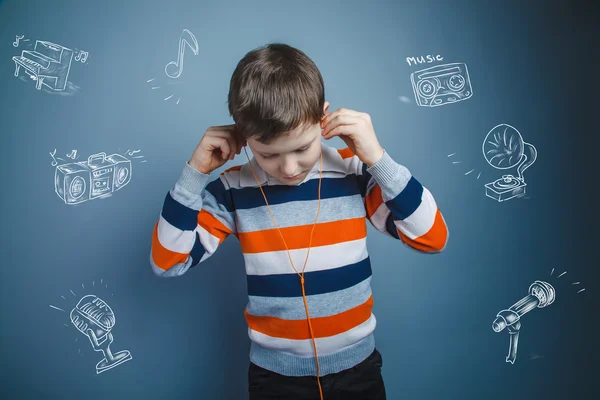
x=247 y=179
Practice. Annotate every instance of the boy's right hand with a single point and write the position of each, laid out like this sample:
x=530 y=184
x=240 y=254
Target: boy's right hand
x=219 y=144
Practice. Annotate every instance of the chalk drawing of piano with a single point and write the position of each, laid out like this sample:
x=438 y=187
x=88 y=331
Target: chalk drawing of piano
x=48 y=64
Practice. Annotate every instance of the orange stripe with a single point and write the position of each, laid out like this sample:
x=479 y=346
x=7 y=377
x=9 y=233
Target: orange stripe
x=373 y=200
x=346 y=153
x=213 y=225
x=433 y=240
x=322 y=326
x=234 y=168
x=297 y=237
x=162 y=257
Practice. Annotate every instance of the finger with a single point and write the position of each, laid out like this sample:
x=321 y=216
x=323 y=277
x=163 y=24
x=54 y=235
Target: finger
x=339 y=120
x=232 y=146
x=331 y=122
x=341 y=130
x=231 y=137
x=338 y=112
x=239 y=137
x=219 y=143
x=231 y=141
x=240 y=142
x=224 y=127
x=243 y=141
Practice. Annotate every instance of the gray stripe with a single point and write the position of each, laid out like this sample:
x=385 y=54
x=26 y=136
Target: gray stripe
x=208 y=202
x=175 y=270
x=188 y=188
x=202 y=199
x=293 y=365
x=391 y=176
x=319 y=305
x=218 y=210
x=296 y=213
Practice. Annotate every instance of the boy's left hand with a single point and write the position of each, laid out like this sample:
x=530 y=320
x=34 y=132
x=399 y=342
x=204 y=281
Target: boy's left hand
x=356 y=130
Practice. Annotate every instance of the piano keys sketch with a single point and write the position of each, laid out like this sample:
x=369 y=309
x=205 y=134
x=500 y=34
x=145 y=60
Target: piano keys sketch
x=48 y=65
x=98 y=177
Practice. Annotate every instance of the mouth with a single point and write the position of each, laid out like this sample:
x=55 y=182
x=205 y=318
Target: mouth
x=291 y=178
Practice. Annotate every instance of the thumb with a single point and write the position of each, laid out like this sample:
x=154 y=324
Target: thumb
x=348 y=142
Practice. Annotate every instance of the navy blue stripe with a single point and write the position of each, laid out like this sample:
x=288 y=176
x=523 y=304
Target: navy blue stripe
x=221 y=194
x=316 y=282
x=197 y=251
x=178 y=215
x=363 y=180
x=391 y=227
x=403 y=205
x=247 y=198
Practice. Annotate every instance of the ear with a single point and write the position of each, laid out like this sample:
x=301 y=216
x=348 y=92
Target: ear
x=325 y=107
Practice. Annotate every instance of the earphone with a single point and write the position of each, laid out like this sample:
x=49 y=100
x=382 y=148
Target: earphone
x=312 y=336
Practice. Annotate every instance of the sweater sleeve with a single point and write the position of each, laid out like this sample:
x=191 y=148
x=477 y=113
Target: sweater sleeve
x=195 y=219
x=399 y=206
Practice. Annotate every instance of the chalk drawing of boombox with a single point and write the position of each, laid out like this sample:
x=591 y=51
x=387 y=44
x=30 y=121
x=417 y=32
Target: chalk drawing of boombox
x=441 y=84
x=99 y=177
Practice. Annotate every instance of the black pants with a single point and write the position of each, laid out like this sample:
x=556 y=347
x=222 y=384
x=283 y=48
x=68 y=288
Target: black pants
x=361 y=382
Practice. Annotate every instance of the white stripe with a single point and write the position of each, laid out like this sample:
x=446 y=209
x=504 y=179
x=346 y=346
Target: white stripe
x=178 y=241
x=209 y=241
x=422 y=219
x=320 y=258
x=173 y=238
x=379 y=217
x=328 y=345
x=333 y=161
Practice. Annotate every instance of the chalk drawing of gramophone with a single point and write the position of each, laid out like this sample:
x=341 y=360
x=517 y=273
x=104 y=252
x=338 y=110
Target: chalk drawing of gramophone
x=504 y=148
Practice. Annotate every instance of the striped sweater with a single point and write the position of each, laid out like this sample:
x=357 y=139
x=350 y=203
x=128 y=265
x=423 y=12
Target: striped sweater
x=198 y=215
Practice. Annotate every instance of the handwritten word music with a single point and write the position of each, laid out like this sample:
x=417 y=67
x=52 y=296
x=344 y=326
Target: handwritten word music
x=423 y=59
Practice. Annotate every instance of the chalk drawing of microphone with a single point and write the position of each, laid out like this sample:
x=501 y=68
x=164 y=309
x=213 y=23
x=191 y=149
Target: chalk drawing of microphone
x=95 y=319
x=541 y=294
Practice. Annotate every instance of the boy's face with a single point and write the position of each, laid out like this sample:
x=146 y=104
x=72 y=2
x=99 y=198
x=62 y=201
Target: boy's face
x=290 y=157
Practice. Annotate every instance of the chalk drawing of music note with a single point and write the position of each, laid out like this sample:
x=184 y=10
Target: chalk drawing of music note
x=81 y=56
x=186 y=38
x=16 y=42
x=73 y=154
x=54 y=163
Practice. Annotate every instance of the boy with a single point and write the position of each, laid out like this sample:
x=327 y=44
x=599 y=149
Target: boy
x=299 y=209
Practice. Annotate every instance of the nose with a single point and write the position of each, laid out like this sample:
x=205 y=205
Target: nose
x=289 y=167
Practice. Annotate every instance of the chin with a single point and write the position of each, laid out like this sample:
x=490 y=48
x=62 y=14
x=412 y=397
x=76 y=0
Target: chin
x=293 y=181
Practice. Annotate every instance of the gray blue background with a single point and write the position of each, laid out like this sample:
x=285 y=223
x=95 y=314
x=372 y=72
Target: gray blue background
x=531 y=65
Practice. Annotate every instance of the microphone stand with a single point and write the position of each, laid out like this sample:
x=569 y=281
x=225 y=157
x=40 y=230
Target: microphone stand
x=109 y=360
x=541 y=294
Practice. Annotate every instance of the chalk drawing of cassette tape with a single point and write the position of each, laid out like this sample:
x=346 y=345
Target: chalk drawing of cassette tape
x=441 y=84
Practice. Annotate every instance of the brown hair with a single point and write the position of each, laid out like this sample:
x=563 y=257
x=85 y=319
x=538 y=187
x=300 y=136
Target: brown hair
x=274 y=89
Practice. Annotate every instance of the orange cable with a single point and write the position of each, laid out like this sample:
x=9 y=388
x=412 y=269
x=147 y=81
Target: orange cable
x=312 y=336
